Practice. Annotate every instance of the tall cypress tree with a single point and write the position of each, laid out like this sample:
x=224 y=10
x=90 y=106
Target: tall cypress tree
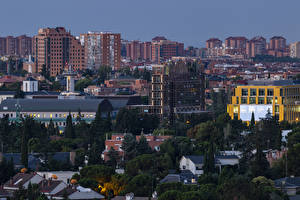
x=209 y=159
x=69 y=130
x=24 y=144
x=97 y=125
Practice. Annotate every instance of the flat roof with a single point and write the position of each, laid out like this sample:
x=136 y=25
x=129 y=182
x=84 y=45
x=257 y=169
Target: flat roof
x=273 y=82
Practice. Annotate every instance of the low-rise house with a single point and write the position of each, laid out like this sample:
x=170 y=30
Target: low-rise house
x=192 y=163
x=64 y=176
x=50 y=187
x=291 y=185
x=78 y=193
x=22 y=180
x=35 y=160
x=195 y=163
x=116 y=143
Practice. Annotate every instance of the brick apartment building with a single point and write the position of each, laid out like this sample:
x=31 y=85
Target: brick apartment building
x=102 y=48
x=256 y=46
x=54 y=47
x=214 y=48
x=18 y=46
x=236 y=46
x=278 y=47
x=163 y=49
x=136 y=50
x=116 y=143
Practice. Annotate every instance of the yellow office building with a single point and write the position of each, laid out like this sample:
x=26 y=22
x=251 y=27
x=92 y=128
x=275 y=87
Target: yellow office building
x=281 y=98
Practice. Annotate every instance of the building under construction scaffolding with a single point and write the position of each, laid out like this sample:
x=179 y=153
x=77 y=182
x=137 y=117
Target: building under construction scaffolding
x=177 y=88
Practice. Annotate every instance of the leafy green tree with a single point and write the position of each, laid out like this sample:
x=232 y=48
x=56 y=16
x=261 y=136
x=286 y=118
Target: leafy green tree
x=82 y=83
x=99 y=173
x=142 y=146
x=171 y=195
x=6 y=170
x=114 y=157
x=19 y=93
x=140 y=185
x=69 y=130
x=103 y=74
x=129 y=146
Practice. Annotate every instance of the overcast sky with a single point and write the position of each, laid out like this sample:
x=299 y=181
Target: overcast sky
x=188 y=21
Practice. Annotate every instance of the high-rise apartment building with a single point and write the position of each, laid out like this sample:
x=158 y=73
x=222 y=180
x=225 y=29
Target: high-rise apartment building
x=236 y=46
x=256 y=46
x=24 y=45
x=277 y=43
x=17 y=46
x=163 y=49
x=147 y=50
x=102 y=48
x=213 y=43
x=136 y=50
x=214 y=48
x=2 y=46
x=176 y=90
x=295 y=50
x=55 y=48
x=277 y=47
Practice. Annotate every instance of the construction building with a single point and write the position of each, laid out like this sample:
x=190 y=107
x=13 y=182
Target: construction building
x=102 y=49
x=54 y=48
x=280 y=98
x=177 y=89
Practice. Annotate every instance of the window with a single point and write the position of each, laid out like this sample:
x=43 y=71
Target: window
x=252 y=100
x=270 y=92
x=276 y=108
x=261 y=92
x=281 y=92
x=244 y=92
x=237 y=100
x=261 y=100
x=252 y=92
x=269 y=100
x=244 y=100
x=51 y=115
x=276 y=100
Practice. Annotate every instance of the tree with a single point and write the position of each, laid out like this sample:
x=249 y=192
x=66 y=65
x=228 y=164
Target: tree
x=114 y=157
x=97 y=126
x=142 y=146
x=99 y=173
x=209 y=159
x=140 y=185
x=6 y=170
x=19 y=93
x=103 y=73
x=259 y=165
x=82 y=83
x=129 y=146
x=69 y=130
x=45 y=72
x=51 y=129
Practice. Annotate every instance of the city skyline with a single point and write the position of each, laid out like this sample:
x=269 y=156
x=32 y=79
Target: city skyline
x=174 y=20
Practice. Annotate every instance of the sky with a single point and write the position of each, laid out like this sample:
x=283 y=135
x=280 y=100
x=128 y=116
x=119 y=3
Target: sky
x=188 y=21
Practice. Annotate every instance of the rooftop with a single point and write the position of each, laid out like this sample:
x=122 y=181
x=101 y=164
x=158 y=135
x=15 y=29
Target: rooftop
x=273 y=83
